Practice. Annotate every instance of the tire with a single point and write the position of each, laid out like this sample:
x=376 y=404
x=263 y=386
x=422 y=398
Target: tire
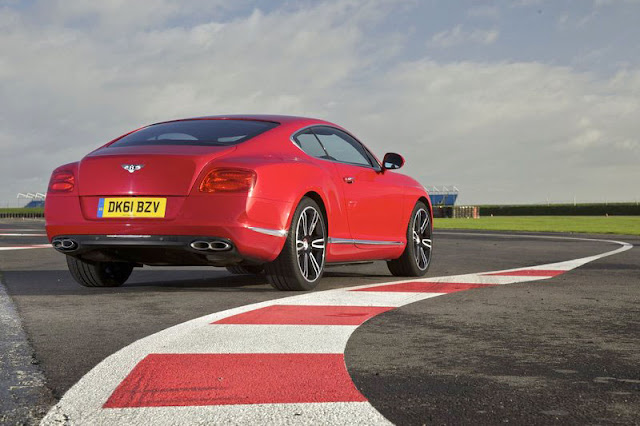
x=246 y=269
x=99 y=274
x=300 y=264
x=416 y=258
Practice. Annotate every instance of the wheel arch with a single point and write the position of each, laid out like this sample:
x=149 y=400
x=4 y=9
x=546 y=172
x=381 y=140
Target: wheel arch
x=427 y=202
x=315 y=196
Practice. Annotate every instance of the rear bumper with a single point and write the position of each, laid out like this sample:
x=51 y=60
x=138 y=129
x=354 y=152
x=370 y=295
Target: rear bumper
x=157 y=250
x=240 y=220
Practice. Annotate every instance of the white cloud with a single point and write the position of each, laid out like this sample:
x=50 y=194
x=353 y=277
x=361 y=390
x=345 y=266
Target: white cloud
x=604 y=3
x=484 y=11
x=535 y=129
x=525 y=3
x=569 y=22
x=457 y=35
x=502 y=132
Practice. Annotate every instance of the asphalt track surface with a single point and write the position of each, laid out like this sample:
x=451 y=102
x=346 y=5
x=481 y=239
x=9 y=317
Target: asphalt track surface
x=563 y=350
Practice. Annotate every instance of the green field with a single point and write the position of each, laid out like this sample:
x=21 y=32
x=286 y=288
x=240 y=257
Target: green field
x=628 y=225
x=21 y=210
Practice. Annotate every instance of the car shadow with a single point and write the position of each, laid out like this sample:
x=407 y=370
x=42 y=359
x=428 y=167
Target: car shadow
x=218 y=283
x=356 y=274
x=60 y=282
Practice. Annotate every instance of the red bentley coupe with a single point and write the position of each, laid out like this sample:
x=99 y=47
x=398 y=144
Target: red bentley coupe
x=258 y=193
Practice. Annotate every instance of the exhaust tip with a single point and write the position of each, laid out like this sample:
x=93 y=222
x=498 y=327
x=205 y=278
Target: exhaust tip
x=215 y=245
x=219 y=245
x=65 y=244
x=200 y=245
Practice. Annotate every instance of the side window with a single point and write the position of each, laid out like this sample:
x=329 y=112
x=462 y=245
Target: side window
x=308 y=142
x=342 y=147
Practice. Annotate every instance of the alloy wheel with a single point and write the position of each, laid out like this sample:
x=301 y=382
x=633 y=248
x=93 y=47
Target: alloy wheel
x=422 y=239
x=310 y=243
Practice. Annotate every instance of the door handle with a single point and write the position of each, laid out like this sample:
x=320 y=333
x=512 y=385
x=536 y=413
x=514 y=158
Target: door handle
x=349 y=179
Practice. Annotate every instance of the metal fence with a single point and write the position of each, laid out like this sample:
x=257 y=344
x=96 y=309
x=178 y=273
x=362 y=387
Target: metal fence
x=21 y=215
x=471 y=212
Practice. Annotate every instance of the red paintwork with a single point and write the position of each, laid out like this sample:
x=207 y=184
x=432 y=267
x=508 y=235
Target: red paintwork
x=172 y=380
x=531 y=273
x=375 y=207
x=425 y=287
x=307 y=315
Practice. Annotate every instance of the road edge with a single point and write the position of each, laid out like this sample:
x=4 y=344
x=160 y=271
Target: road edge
x=24 y=395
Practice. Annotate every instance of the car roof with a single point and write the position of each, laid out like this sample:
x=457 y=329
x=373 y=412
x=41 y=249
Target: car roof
x=282 y=119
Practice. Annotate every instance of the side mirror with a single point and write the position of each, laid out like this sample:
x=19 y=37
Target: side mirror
x=392 y=161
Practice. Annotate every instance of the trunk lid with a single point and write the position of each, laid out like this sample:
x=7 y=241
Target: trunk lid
x=145 y=170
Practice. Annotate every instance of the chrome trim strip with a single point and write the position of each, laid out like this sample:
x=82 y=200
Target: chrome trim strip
x=340 y=241
x=365 y=242
x=379 y=243
x=272 y=232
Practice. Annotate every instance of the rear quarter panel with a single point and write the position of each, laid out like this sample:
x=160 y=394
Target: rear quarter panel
x=287 y=179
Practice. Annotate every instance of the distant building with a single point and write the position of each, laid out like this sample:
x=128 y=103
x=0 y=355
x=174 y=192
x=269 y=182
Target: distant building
x=36 y=199
x=443 y=199
x=35 y=204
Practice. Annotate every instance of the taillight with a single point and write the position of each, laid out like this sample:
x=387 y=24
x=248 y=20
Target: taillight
x=62 y=181
x=228 y=180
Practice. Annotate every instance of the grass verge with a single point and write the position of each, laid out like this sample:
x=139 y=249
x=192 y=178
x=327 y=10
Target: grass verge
x=628 y=225
x=21 y=210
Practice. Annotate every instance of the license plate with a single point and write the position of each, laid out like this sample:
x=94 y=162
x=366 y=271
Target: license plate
x=132 y=207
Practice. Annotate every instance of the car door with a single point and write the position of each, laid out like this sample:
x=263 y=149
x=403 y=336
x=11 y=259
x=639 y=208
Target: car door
x=307 y=141
x=373 y=202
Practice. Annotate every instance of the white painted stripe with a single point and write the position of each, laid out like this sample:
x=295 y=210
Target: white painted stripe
x=345 y=297
x=465 y=279
x=572 y=264
x=35 y=246
x=487 y=279
x=82 y=404
x=569 y=264
x=540 y=237
x=23 y=235
x=260 y=338
x=326 y=413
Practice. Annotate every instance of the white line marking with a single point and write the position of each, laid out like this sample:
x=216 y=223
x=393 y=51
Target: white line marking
x=261 y=338
x=82 y=404
x=342 y=297
x=23 y=235
x=477 y=278
x=325 y=413
x=34 y=246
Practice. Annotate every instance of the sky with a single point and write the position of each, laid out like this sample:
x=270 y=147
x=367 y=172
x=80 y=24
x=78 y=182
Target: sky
x=518 y=101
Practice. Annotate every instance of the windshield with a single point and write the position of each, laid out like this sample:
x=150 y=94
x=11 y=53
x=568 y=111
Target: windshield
x=196 y=132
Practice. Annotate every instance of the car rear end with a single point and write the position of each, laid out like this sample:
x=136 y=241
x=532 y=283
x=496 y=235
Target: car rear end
x=168 y=194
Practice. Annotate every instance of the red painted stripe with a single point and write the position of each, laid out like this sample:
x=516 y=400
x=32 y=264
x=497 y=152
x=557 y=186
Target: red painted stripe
x=307 y=315
x=425 y=287
x=162 y=380
x=531 y=273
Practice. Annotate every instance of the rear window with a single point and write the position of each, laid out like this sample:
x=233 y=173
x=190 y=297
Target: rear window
x=197 y=132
